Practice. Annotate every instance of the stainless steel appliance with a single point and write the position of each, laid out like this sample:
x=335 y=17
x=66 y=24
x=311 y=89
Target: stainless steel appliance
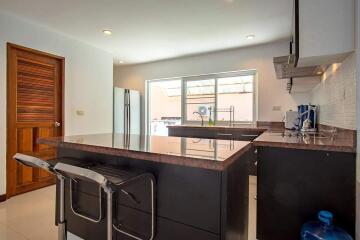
x=291 y=120
x=126 y=111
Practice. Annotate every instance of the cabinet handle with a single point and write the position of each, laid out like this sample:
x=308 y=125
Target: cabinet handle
x=224 y=134
x=255 y=163
x=249 y=135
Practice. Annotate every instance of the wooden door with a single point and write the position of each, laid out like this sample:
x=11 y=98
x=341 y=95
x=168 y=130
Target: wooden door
x=34 y=109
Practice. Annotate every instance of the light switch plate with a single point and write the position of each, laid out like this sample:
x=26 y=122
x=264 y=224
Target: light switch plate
x=276 y=108
x=80 y=112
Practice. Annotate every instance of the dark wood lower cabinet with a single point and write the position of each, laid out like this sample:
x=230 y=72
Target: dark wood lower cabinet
x=131 y=220
x=293 y=185
x=192 y=203
x=225 y=133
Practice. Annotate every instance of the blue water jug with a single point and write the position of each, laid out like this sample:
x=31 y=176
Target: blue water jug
x=323 y=229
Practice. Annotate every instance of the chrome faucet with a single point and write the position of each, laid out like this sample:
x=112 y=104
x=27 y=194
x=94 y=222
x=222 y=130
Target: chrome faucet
x=201 y=116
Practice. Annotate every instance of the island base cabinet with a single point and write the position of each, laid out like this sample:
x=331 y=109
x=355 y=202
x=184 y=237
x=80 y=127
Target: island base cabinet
x=191 y=203
x=293 y=185
x=130 y=219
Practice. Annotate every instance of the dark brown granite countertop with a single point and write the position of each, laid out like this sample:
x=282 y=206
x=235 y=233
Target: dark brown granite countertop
x=325 y=141
x=274 y=135
x=202 y=153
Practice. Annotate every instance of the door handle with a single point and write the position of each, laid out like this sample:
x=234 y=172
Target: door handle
x=57 y=124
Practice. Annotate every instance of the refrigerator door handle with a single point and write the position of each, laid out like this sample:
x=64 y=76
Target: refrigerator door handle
x=129 y=117
x=125 y=111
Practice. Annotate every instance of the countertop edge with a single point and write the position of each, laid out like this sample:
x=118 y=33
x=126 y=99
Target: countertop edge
x=153 y=157
x=329 y=148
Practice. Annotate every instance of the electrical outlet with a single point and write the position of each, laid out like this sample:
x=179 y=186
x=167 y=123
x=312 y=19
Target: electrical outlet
x=276 y=108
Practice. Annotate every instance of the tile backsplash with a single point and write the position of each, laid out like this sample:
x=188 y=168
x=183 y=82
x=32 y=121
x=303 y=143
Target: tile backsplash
x=336 y=95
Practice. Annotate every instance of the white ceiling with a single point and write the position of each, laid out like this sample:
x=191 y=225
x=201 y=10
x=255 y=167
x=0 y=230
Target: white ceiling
x=149 y=30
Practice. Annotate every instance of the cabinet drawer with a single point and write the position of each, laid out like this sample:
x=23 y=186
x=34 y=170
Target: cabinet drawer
x=192 y=132
x=226 y=133
x=140 y=222
x=236 y=134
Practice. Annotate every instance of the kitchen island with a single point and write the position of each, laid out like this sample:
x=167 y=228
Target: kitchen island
x=202 y=185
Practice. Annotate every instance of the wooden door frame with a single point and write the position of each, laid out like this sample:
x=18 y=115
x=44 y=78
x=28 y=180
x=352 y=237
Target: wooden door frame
x=62 y=88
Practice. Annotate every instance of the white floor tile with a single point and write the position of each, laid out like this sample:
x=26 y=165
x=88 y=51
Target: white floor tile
x=7 y=233
x=31 y=214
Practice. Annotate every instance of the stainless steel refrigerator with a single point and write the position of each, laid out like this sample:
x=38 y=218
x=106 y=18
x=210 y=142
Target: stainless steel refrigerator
x=126 y=111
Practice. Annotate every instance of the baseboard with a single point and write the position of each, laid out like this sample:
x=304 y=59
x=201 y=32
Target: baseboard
x=3 y=198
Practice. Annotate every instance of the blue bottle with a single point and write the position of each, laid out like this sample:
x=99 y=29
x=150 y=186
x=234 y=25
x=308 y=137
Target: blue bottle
x=323 y=229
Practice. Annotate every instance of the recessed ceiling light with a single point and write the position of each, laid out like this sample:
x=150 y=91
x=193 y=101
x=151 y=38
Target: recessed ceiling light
x=251 y=36
x=107 y=32
x=121 y=61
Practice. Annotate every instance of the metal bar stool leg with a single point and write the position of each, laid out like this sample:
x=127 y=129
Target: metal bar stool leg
x=152 y=182
x=74 y=172
x=61 y=223
x=109 y=213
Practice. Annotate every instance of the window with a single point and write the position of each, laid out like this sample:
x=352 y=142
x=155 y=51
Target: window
x=199 y=97
x=220 y=97
x=236 y=92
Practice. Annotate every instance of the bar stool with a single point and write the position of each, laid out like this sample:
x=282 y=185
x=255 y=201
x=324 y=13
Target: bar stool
x=110 y=180
x=34 y=162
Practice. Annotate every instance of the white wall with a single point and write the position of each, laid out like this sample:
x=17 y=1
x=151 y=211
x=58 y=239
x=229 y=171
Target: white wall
x=336 y=95
x=271 y=91
x=88 y=79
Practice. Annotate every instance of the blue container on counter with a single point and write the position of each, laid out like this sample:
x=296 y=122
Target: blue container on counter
x=323 y=229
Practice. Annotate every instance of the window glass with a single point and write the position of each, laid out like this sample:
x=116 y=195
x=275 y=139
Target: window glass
x=200 y=98
x=236 y=94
